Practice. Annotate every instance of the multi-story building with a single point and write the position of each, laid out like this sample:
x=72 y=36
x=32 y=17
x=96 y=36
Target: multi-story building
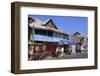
x=80 y=41
x=47 y=36
x=75 y=42
x=84 y=42
x=46 y=33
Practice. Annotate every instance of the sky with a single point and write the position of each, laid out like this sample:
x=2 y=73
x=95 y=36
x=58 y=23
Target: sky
x=69 y=24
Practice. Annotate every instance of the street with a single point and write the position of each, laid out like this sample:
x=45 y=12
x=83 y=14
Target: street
x=72 y=56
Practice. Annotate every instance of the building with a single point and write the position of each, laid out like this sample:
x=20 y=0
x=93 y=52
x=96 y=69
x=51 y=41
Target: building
x=84 y=41
x=75 y=42
x=46 y=35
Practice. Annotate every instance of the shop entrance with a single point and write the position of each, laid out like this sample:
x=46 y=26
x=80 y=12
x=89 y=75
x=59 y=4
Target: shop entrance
x=50 y=47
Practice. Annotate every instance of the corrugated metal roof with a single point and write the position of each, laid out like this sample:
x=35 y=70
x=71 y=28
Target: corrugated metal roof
x=39 y=25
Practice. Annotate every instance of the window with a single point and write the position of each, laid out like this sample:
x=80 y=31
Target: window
x=40 y=32
x=65 y=37
x=50 y=33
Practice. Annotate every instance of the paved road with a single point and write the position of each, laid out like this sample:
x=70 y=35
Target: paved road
x=72 y=56
x=76 y=55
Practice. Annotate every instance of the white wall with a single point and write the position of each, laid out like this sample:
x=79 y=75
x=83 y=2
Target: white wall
x=5 y=33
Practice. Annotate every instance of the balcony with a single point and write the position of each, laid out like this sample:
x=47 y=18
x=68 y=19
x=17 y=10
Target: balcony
x=42 y=38
x=47 y=38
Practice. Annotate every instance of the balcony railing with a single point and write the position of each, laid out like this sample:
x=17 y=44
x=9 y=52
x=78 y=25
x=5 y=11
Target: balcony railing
x=47 y=38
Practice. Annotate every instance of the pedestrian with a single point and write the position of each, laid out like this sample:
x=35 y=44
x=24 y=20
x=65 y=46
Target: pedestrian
x=30 y=52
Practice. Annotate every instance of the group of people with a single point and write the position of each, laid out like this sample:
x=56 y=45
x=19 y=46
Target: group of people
x=36 y=53
x=61 y=51
x=39 y=52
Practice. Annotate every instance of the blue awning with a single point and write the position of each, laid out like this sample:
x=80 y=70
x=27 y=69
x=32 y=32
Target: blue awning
x=64 y=42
